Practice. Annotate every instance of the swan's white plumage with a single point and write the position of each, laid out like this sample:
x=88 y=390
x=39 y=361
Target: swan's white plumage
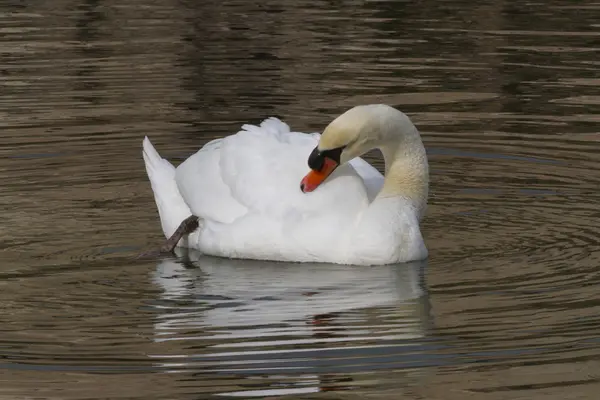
x=201 y=174
x=245 y=188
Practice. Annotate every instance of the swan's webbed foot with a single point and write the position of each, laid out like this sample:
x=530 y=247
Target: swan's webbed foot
x=187 y=226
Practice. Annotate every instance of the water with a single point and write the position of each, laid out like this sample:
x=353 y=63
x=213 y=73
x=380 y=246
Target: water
x=507 y=97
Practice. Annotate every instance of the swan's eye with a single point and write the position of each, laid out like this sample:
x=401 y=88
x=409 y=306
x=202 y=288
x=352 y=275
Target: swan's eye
x=316 y=160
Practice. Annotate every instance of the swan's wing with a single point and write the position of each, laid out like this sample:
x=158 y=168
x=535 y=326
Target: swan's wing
x=201 y=186
x=258 y=172
x=263 y=166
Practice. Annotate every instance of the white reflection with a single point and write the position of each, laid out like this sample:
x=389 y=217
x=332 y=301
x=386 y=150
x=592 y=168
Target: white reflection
x=200 y=291
x=288 y=327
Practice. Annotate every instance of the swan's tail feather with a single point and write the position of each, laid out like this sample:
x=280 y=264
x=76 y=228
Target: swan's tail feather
x=171 y=206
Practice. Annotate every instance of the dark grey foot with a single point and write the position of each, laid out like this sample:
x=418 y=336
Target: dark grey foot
x=187 y=226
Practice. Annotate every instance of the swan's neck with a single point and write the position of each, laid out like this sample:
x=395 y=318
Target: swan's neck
x=406 y=173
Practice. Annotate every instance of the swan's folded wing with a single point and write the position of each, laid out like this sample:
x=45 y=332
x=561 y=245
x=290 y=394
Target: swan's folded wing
x=200 y=183
x=258 y=172
x=263 y=166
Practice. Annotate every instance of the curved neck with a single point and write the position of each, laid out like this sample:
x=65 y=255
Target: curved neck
x=406 y=173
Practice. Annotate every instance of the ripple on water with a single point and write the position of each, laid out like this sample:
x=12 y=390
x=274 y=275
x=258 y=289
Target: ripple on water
x=506 y=97
x=261 y=322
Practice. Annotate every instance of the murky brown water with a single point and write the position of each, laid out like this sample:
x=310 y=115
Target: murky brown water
x=507 y=96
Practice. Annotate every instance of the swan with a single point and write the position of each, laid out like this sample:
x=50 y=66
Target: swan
x=249 y=195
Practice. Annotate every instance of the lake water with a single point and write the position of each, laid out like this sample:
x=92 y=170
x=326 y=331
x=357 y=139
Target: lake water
x=507 y=97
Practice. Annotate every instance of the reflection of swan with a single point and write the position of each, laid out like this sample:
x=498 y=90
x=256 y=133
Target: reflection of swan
x=244 y=293
x=269 y=320
x=247 y=190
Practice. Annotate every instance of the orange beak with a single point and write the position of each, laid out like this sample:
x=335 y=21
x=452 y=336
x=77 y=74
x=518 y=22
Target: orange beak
x=314 y=178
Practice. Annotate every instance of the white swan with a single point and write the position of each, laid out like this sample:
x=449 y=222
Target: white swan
x=246 y=190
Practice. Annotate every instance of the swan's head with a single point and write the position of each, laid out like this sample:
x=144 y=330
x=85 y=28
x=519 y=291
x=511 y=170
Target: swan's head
x=354 y=133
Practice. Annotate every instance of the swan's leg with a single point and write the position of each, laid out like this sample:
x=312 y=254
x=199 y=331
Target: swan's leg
x=187 y=226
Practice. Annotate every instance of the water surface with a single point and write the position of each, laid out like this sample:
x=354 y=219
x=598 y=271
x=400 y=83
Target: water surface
x=507 y=97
